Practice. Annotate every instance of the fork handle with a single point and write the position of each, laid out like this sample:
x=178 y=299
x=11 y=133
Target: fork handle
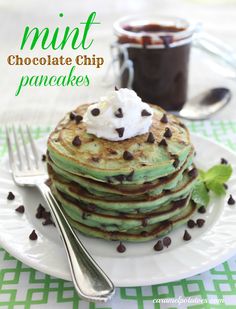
x=90 y=282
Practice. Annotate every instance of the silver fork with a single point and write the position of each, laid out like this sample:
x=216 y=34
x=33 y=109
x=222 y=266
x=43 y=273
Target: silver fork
x=91 y=283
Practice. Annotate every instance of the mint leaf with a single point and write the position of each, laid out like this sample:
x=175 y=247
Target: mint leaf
x=216 y=187
x=200 y=195
x=201 y=174
x=219 y=173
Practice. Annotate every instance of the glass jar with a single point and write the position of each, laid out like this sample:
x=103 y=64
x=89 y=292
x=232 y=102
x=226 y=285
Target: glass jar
x=153 y=55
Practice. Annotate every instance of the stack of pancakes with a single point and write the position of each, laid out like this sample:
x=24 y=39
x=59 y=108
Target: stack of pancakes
x=135 y=189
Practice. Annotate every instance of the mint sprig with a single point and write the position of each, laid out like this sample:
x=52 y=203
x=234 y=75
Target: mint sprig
x=211 y=180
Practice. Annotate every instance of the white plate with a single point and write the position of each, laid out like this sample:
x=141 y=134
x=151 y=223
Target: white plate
x=140 y=264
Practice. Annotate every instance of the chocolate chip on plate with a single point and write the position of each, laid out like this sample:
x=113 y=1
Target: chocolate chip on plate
x=186 y=236
x=121 y=247
x=76 y=141
x=223 y=161
x=116 y=88
x=163 y=143
x=191 y=223
x=120 y=131
x=145 y=113
x=231 y=200
x=20 y=209
x=151 y=138
x=166 y=241
x=40 y=210
x=78 y=119
x=33 y=235
x=202 y=209
x=167 y=133
x=164 y=119
x=95 y=111
x=127 y=155
x=48 y=221
x=119 y=113
x=43 y=158
x=200 y=222
x=10 y=196
x=158 y=246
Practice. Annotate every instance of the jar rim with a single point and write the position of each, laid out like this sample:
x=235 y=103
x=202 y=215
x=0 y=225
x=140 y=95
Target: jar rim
x=156 y=37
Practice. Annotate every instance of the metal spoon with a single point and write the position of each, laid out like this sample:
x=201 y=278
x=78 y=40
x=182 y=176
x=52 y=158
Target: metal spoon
x=205 y=104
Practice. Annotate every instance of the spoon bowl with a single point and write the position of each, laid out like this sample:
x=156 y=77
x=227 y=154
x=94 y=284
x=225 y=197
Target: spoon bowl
x=205 y=104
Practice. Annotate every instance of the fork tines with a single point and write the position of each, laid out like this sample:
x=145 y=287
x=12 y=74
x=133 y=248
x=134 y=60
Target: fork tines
x=26 y=154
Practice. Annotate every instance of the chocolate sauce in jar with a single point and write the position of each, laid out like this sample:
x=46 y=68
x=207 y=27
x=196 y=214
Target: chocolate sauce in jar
x=160 y=56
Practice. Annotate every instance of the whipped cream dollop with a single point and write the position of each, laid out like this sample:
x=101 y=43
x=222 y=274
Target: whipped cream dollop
x=119 y=115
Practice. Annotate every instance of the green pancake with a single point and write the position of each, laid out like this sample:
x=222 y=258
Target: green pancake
x=111 y=220
x=105 y=196
x=138 y=235
x=101 y=189
x=125 y=203
x=102 y=160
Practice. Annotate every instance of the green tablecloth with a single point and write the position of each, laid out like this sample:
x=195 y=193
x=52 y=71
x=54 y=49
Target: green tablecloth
x=24 y=287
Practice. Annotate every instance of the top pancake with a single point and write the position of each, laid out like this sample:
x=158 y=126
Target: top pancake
x=102 y=160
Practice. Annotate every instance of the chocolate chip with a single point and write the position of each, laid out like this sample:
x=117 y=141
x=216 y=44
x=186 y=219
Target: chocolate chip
x=127 y=155
x=164 y=119
x=200 y=222
x=116 y=88
x=121 y=248
x=193 y=173
x=40 y=210
x=191 y=224
x=120 y=177
x=48 y=221
x=95 y=111
x=119 y=113
x=223 y=161
x=144 y=222
x=186 y=236
x=20 y=209
x=10 y=196
x=151 y=138
x=112 y=151
x=46 y=214
x=158 y=246
x=120 y=131
x=163 y=143
x=76 y=141
x=167 y=133
x=166 y=241
x=176 y=163
x=144 y=233
x=91 y=207
x=129 y=177
x=145 y=113
x=202 y=209
x=95 y=159
x=231 y=200
x=72 y=115
x=78 y=119
x=43 y=158
x=33 y=235
x=225 y=186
